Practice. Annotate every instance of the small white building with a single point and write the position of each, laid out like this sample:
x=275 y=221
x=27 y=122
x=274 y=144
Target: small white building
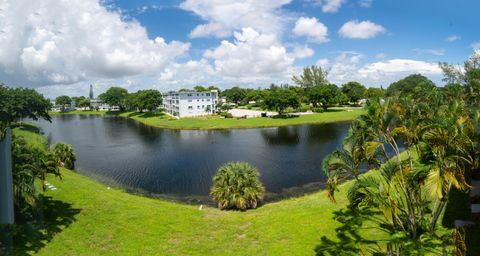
x=65 y=108
x=190 y=103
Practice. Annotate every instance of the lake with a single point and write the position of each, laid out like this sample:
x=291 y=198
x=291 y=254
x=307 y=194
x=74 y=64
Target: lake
x=180 y=164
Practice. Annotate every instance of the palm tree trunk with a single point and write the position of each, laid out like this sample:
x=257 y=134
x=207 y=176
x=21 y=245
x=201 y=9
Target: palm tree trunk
x=438 y=211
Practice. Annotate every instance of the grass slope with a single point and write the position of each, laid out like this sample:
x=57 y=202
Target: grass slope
x=83 y=217
x=213 y=122
x=113 y=222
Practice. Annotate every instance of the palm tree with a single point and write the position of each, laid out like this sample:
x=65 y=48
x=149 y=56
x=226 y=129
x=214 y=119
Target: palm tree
x=237 y=186
x=65 y=155
x=344 y=163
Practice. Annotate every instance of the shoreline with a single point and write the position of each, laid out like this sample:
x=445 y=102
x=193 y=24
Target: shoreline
x=161 y=120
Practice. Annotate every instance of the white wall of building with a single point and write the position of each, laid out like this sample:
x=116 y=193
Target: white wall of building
x=187 y=104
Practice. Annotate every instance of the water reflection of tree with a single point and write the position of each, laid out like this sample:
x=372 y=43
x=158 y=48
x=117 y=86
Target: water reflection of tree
x=119 y=127
x=287 y=135
x=326 y=132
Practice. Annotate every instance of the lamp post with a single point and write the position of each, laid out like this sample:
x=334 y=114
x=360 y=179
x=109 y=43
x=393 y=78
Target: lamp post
x=6 y=180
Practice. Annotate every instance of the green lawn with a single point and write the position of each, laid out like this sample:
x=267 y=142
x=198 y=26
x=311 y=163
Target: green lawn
x=215 y=122
x=83 y=217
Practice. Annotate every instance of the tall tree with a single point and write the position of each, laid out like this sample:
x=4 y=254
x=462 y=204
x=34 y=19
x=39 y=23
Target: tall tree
x=326 y=95
x=281 y=99
x=412 y=85
x=115 y=96
x=311 y=76
x=374 y=93
x=18 y=103
x=199 y=88
x=235 y=94
x=148 y=99
x=63 y=101
x=355 y=91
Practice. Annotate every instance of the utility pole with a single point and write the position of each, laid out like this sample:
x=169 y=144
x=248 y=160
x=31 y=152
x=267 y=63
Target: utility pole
x=6 y=180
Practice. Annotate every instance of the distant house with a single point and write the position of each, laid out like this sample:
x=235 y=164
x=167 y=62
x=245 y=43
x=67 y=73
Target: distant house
x=96 y=103
x=190 y=103
x=65 y=108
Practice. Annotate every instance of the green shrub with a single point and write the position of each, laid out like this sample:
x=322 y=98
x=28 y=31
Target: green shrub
x=226 y=114
x=317 y=110
x=304 y=108
x=237 y=186
x=65 y=155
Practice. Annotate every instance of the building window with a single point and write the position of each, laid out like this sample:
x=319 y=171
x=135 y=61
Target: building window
x=198 y=94
x=208 y=94
x=198 y=100
x=189 y=100
x=203 y=106
x=208 y=99
x=189 y=95
x=190 y=107
x=198 y=107
x=202 y=100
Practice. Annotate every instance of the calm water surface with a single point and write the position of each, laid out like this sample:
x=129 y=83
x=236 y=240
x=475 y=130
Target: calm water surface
x=182 y=162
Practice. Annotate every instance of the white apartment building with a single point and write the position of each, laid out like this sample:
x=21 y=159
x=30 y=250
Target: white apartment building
x=190 y=103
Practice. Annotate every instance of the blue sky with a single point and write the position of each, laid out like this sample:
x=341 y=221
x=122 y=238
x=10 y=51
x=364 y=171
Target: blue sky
x=61 y=48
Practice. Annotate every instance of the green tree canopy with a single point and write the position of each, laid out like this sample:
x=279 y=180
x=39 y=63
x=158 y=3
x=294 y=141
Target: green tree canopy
x=77 y=100
x=311 y=76
x=374 y=93
x=200 y=88
x=355 y=91
x=84 y=103
x=115 y=96
x=235 y=94
x=18 y=103
x=327 y=95
x=63 y=101
x=148 y=99
x=411 y=85
x=281 y=99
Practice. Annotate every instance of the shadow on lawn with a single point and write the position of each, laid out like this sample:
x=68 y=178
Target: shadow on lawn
x=27 y=238
x=348 y=239
x=458 y=208
x=27 y=127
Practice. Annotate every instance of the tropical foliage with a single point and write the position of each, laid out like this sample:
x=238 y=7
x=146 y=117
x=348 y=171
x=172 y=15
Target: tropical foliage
x=237 y=186
x=31 y=163
x=19 y=103
x=422 y=146
x=65 y=155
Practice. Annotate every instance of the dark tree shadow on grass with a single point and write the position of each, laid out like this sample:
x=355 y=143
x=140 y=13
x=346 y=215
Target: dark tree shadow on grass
x=348 y=240
x=28 y=237
x=458 y=208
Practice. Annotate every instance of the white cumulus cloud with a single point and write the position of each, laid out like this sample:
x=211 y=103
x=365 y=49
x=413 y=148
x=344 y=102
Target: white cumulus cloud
x=64 y=42
x=401 y=66
x=313 y=29
x=348 y=66
x=225 y=16
x=361 y=29
x=302 y=52
x=251 y=55
x=329 y=6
